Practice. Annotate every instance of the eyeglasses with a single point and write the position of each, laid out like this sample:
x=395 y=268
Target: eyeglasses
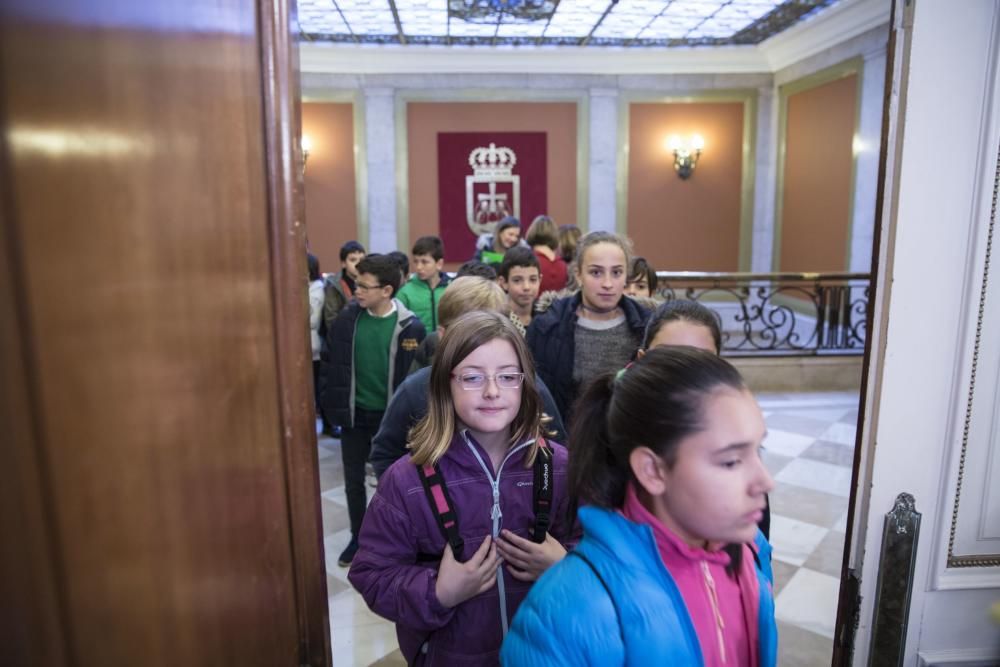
x=362 y=286
x=474 y=381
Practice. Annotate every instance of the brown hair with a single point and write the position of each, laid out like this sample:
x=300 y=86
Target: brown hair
x=685 y=311
x=432 y=435
x=543 y=231
x=569 y=236
x=591 y=239
x=502 y=226
x=640 y=268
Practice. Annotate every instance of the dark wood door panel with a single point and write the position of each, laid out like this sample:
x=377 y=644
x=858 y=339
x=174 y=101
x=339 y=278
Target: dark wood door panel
x=137 y=189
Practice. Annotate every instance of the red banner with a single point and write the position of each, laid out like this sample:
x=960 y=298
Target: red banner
x=507 y=177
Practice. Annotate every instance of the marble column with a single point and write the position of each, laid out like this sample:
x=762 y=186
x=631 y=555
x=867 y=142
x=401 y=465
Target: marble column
x=602 y=200
x=867 y=143
x=765 y=182
x=380 y=164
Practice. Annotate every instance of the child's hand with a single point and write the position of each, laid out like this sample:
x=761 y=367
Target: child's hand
x=457 y=582
x=527 y=560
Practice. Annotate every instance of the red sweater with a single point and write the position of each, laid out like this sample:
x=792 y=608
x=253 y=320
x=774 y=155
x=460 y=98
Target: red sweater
x=553 y=272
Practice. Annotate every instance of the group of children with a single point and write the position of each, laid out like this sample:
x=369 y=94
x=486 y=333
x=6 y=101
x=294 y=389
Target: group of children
x=645 y=527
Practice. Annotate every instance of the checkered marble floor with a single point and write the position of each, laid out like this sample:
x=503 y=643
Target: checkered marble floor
x=809 y=450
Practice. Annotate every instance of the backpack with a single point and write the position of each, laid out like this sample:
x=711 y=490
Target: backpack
x=447 y=519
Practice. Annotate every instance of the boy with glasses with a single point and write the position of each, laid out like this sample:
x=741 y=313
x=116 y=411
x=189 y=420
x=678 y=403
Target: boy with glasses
x=372 y=344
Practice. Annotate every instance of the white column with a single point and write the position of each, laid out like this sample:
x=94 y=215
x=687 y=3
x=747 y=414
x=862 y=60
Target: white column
x=765 y=181
x=603 y=165
x=866 y=150
x=380 y=162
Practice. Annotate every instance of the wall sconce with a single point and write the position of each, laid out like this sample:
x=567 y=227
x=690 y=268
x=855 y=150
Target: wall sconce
x=306 y=144
x=686 y=153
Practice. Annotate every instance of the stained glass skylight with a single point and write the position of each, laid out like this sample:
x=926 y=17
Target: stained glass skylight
x=641 y=23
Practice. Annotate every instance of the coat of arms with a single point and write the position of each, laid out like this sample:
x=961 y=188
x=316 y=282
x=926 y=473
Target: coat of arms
x=492 y=192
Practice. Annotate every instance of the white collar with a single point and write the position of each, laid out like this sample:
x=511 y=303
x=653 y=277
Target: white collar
x=392 y=310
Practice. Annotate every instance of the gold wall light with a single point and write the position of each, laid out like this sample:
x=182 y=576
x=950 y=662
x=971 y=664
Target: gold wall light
x=686 y=153
x=306 y=144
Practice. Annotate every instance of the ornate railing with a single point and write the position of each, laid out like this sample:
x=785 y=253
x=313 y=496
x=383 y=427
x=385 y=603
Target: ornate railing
x=780 y=314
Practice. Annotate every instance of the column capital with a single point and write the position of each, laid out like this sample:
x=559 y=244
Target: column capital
x=873 y=53
x=380 y=91
x=604 y=92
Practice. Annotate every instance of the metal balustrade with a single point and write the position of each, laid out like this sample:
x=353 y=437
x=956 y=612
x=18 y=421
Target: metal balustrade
x=779 y=314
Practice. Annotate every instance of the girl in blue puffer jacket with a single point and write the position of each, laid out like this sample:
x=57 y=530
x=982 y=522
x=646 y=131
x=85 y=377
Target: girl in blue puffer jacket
x=502 y=505
x=672 y=569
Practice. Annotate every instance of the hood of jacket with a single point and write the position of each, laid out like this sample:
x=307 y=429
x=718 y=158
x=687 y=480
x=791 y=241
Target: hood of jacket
x=403 y=313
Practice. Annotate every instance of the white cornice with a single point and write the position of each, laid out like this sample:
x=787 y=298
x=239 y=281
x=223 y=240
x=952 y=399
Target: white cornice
x=847 y=19
x=841 y=22
x=373 y=59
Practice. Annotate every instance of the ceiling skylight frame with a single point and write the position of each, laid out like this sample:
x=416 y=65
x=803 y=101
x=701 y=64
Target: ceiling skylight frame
x=418 y=22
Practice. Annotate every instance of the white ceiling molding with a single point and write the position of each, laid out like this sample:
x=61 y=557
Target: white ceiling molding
x=376 y=59
x=836 y=24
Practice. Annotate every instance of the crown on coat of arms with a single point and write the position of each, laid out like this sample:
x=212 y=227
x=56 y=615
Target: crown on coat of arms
x=492 y=161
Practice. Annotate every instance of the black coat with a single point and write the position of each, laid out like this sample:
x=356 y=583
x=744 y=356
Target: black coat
x=337 y=360
x=551 y=339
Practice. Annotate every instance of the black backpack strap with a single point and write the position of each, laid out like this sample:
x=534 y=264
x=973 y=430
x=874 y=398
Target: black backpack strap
x=542 y=492
x=442 y=507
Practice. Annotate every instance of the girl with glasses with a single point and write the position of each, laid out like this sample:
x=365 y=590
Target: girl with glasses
x=459 y=530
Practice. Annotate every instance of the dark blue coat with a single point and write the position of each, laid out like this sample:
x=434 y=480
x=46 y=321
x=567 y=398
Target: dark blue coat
x=337 y=361
x=551 y=339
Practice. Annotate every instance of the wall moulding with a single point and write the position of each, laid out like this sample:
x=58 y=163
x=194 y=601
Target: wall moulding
x=748 y=99
x=958 y=658
x=970 y=508
x=851 y=67
x=356 y=99
x=974 y=537
x=842 y=22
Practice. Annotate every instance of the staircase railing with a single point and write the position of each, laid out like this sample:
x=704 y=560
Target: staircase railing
x=780 y=314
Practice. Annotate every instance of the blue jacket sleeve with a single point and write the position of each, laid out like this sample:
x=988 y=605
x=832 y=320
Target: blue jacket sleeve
x=567 y=620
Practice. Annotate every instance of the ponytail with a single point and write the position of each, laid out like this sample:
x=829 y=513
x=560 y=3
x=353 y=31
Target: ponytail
x=656 y=403
x=596 y=477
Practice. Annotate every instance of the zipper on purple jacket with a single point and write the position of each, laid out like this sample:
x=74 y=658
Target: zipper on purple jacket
x=496 y=515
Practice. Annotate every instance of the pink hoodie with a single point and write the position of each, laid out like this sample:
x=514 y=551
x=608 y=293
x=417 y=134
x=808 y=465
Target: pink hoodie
x=724 y=610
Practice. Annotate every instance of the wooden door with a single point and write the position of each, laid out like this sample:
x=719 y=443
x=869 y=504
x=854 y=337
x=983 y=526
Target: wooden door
x=160 y=499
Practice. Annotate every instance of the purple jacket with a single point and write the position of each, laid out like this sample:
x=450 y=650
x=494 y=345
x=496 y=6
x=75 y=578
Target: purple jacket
x=393 y=569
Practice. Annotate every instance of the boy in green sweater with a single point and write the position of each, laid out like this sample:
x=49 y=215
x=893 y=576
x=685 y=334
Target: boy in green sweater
x=372 y=344
x=423 y=291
